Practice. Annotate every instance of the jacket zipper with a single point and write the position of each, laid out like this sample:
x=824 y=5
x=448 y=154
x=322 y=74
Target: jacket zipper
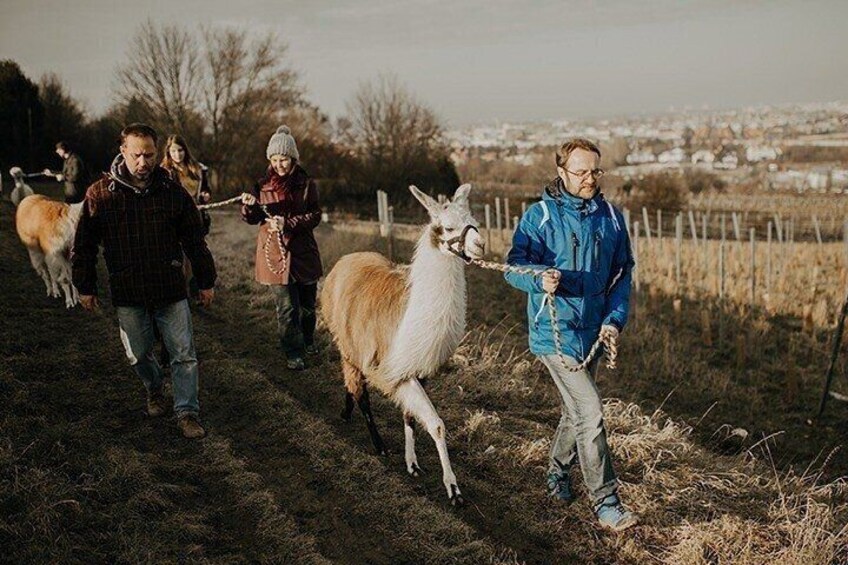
x=596 y=260
x=575 y=243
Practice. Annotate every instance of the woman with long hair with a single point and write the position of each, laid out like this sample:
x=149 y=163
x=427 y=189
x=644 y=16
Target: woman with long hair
x=287 y=257
x=189 y=172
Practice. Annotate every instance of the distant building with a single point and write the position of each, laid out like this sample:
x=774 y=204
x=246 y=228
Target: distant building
x=727 y=162
x=640 y=157
x=676 y=155
x=761 y=153
x=703 y=156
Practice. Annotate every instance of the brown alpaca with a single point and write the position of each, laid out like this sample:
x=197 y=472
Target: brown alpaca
x=394 y=325
x=46 y=227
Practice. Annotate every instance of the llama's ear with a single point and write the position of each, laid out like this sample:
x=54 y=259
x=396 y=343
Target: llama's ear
x=425 y=200
x=461 y=193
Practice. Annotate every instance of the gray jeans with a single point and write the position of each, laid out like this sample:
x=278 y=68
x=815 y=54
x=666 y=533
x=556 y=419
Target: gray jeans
x=581 y=434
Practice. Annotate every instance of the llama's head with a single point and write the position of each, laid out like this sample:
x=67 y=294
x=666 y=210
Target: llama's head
x=453 y=229
x=17 y=173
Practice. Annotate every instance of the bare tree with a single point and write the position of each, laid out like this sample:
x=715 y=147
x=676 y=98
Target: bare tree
x=64 y=118
x=164 y=72
x=246 y=95
x=225 y=91
x=398 y=138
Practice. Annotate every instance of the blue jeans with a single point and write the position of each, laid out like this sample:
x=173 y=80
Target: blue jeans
x=174 y=323
x=581 y=434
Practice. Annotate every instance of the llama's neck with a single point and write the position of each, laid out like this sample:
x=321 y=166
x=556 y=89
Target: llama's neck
x=69 y=225
x=434 y=321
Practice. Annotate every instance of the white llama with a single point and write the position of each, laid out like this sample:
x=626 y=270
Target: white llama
x=22 y=189
x=394 y=325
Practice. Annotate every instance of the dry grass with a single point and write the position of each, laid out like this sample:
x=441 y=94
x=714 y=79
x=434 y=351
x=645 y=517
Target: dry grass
x=85 y=478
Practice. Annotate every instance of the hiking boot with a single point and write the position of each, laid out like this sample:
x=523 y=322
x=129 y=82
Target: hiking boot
x=295 y=364
x=612 y=514
x=156 y=405
x=312 y=350
x=559 y=486
x=190 y=427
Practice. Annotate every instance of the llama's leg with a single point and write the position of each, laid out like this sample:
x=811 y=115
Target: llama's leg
x=348 y=408
x=365 y=407
x=353 y=381
x=415 y=401
x=36 y=257
x=54 y=267
x=60 y=271
x=411 y=459
x=357 y=391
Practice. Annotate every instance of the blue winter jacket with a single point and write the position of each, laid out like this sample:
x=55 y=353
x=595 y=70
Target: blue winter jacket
x=587 y=241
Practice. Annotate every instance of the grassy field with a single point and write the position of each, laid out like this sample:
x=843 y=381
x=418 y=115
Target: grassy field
x=85 y=477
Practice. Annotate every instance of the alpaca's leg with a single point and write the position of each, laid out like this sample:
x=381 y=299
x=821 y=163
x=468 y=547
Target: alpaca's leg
x=36 y=257
x=409 y=432
x=415 y=401
x=365 y=407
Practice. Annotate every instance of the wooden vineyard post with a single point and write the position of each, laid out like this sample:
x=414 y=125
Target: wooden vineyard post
x=753 y=266
x=489 y=228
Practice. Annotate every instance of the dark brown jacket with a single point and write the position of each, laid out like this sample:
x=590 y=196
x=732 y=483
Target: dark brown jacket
x=76 y=178
x=143 y=235
x=295 y=198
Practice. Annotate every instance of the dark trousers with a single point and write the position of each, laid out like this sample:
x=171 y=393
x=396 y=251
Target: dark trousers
x=295 y=305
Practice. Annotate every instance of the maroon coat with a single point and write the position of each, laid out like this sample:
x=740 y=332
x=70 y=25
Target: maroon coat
x=295 y=198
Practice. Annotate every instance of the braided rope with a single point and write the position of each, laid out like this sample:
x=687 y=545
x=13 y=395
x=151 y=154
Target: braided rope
x=610 y=348
x=607 y=341
x=232 y=200
x=266 y=246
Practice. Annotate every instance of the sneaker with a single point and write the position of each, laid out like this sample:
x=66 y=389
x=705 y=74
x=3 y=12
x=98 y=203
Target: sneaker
x=312 y=350
x=612 y=514
x=156 y=405
x=295 y=364
x=559 y=486
x=190 y=427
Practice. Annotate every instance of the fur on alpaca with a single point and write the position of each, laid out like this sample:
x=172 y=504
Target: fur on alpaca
x=22 y=189
x=394 y=325
x=46 y=227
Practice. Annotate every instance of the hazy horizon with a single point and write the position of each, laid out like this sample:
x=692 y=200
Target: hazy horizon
x=483 y=61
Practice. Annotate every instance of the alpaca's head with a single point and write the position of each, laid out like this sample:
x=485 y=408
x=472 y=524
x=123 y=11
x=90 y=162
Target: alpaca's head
x=17 y=174
x=453 y=229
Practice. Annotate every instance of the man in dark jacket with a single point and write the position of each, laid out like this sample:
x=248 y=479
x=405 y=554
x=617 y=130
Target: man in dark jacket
x=145 y=221
x=74 y=174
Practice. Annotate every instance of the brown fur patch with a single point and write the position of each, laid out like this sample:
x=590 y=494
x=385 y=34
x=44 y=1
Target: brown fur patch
x=38 y=221
x=436 y=233
x=362 y=303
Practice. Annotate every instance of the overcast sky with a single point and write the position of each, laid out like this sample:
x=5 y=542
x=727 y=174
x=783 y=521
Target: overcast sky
x=481 y=60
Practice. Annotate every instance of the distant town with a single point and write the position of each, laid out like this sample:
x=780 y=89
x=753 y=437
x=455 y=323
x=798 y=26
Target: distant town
x=800 y=148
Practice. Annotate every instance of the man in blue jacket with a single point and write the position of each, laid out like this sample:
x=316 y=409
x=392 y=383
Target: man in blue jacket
x=581 y=241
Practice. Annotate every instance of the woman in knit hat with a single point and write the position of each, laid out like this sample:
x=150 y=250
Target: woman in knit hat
x=287 y=257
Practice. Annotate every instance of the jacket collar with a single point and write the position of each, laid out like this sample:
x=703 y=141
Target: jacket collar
x=555 y=192
x=118 y=175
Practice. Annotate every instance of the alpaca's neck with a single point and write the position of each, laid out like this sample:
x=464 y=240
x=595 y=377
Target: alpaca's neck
x=434 y=320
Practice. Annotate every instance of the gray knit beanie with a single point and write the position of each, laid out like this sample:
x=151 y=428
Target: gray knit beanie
x=282 y=143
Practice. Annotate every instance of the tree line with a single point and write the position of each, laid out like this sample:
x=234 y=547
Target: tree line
x=226 y=91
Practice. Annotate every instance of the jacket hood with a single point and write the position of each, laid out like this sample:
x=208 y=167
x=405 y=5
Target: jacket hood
x=555 y=192
x=118 y=174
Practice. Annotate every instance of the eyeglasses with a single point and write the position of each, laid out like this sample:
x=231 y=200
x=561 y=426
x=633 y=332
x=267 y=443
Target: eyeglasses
x=596 y=173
